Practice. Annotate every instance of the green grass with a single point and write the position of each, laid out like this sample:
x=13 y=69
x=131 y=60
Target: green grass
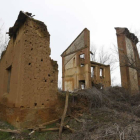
x=5 y=136
x=51 y=125
x=45 y=136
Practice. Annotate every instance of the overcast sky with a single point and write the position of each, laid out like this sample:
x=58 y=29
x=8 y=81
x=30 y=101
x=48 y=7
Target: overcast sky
x=65 y=19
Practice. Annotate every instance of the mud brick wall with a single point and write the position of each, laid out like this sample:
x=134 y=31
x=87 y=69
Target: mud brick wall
x=39 y=81
x=28 y=76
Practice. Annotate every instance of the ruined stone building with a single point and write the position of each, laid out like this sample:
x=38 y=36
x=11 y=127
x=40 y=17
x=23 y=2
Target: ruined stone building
x=28 y=76
x=129 y=59
x=78 y=72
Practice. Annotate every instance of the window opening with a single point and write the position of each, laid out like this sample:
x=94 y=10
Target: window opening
x=92 y=71
x=101 y=72
x=74 y=62
x=82 y=56
x=9 y=78
x=82 y=65
x=82 y=84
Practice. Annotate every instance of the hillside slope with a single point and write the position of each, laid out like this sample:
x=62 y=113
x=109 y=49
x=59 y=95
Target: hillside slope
x=93 y=114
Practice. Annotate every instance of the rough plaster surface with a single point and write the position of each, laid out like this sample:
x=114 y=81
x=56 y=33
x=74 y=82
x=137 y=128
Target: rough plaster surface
x=32 y=96
x=79 y=43
x=68 y=86
x=68 y=58
x=132 y=72
x=71 y=63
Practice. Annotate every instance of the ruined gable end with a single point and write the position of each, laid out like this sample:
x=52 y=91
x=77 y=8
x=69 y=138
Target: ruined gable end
x=78 y=72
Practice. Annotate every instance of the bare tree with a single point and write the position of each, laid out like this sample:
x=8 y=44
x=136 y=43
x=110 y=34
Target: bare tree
x=1 y=35
x=3 y=40
x=130 y=61
x=103 y=57
x=93 y=53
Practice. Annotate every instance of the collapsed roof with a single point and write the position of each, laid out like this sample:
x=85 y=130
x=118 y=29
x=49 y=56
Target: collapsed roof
x=125 y=31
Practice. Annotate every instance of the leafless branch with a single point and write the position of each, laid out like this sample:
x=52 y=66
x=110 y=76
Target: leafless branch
x=3 y=39
x=93 y=53
x=104 y=57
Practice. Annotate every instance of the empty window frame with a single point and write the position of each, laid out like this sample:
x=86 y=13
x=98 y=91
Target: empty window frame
x=9 y=78
x=102 y=86
x=101 y=72
x=74 y=62
x=82 y=65
x=82 y=56
x=92 y=71
x=82 y=84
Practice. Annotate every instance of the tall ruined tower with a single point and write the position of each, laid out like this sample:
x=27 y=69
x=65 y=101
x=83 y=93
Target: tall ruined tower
x=129 y=59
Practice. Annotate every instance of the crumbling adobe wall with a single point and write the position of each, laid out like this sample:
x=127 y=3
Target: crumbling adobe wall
x=40 y=73
x=31 y=97
x=128 y=54
x=11 y=58
x=104 y=80
x=72 y=71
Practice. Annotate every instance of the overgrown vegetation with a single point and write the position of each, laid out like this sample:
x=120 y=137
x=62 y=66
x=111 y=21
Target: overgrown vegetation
x=110 y=114
x=94 y=114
